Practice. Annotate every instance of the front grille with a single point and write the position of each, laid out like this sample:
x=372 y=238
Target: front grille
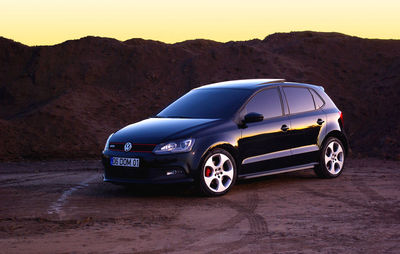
x=136 y=148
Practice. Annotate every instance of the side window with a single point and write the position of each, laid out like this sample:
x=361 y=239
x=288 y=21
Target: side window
x=267 y=103
x=317 y=99
x=299 y=99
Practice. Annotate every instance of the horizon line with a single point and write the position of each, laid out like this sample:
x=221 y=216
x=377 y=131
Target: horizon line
x=204 y=39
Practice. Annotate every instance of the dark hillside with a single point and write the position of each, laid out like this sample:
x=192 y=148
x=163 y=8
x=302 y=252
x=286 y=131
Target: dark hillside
x=62 y=101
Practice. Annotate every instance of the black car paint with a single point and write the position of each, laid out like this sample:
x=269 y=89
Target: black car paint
x=159 y=130
x=242 y=140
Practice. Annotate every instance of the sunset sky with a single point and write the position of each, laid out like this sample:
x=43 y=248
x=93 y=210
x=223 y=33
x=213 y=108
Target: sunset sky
x=49 y=22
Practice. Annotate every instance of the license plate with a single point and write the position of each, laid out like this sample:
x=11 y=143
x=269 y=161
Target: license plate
x=125 y=162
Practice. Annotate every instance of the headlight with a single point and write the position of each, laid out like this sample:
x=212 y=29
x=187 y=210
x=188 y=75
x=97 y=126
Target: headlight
x=179 y=146
x=108 y=142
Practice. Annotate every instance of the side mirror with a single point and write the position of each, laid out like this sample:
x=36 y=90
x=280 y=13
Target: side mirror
x=253 y=117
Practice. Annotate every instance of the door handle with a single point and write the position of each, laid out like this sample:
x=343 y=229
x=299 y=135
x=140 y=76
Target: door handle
x=284 y=127
x=320 y=121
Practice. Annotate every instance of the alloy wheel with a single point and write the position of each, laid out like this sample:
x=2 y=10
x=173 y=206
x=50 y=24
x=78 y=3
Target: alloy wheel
x=334 y=157
x=218 y=173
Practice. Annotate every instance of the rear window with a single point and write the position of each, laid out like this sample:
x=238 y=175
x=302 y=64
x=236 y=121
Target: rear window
x=299 y=99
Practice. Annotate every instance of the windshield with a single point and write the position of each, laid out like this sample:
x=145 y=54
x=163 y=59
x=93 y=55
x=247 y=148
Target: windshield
x=207 y=103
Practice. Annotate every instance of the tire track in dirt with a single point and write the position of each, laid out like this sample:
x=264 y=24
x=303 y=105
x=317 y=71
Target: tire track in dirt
x=314 y=192
x=367 y=191
x=258 y=225
x=258 y=228
x=378 y=203
x=57 y=206
x=377 y=207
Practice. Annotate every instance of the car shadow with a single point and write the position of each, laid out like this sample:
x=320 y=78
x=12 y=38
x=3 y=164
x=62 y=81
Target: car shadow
x=284 y=177
x=147 y=190
x=189 y=190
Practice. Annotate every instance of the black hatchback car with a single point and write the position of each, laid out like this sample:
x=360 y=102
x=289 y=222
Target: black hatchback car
x=220 y=132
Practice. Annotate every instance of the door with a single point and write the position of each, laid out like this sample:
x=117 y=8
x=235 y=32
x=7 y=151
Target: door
x=306 y=124
x=264 y=145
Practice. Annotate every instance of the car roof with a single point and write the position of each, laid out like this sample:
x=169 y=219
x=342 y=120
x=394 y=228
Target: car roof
x=254 y=84
x=243 y=83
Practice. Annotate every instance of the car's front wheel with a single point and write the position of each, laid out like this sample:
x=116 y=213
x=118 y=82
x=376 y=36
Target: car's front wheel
x=332 y=159
x=217 y=173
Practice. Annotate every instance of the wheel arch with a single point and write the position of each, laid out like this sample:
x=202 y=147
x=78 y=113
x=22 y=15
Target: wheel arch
x=230 y=149
x=339 y=135
x=227 y=147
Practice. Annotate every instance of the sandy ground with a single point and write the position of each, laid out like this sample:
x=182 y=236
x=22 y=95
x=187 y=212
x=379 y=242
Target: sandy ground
x=64 y=207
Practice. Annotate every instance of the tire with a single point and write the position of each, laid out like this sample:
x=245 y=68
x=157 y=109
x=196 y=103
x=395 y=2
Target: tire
x=331 y=159
x=217 y=173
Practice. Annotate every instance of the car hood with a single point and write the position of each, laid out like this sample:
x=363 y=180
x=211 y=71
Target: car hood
x=158 y=130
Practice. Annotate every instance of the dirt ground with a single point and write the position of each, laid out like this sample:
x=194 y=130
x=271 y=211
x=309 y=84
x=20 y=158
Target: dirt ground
x=64 y=207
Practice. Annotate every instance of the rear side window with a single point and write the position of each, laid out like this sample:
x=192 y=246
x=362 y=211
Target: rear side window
x=267 y=103
x=299 y=99
x=317 y=99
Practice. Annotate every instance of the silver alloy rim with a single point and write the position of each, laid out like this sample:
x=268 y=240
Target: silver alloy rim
x=334 y=158
x=218 y=172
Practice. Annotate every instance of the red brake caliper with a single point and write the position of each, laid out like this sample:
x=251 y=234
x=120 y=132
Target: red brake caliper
x=208 y=171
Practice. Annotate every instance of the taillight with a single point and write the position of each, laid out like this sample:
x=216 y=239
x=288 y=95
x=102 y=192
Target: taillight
x=341 y=117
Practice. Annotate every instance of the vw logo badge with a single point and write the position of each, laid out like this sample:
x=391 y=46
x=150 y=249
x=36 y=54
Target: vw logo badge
x=128 y=146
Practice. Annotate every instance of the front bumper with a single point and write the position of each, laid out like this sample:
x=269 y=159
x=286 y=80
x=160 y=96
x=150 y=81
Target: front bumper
x=154 y=169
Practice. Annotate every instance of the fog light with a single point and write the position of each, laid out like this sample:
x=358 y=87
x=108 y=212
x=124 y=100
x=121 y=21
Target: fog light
x=174 y=172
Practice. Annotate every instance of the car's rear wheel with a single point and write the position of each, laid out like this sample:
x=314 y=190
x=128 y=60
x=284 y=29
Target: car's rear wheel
x=217 y=173
x=332 y=157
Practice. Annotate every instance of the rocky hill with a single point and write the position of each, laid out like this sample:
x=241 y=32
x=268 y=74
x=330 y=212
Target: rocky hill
x=63 y=101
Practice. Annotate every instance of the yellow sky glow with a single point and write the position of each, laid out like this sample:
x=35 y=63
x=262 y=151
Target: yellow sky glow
x=49 y=22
